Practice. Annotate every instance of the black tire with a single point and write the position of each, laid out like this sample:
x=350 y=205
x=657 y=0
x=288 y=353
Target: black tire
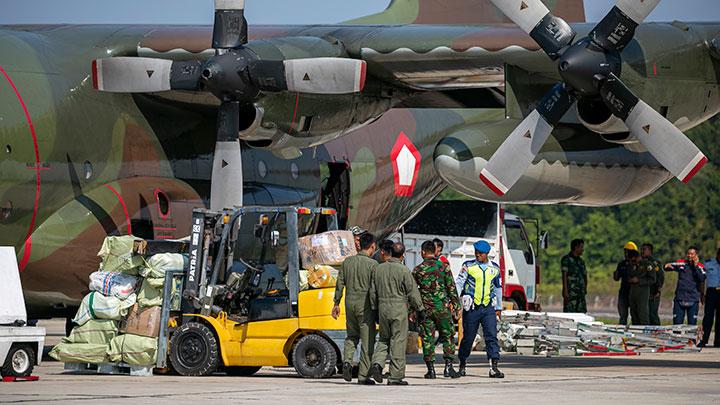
x=242 y=371
x=314 y=357
x=194 y=350
x=19 y=362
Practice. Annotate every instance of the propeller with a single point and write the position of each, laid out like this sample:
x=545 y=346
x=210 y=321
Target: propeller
x=590 y=68
x=237 y=77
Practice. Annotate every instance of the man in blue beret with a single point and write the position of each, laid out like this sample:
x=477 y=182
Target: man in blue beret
x=480 y=289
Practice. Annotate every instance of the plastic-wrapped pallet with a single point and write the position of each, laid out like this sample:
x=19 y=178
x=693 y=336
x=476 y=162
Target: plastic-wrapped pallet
x=122 y=254
x=98 y=306
x=328 y=248
x=133 y=349
x=118 y=285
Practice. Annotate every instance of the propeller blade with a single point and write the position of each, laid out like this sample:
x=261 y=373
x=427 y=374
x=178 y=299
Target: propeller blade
x=519 y=150
x=311 y=76
x=144 y=75
x=553 y=34
x=230 y=28
x=675 y=151
x=617 y=29
x=226 y=185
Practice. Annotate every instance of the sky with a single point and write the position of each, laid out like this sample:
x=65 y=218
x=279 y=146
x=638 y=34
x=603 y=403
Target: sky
x=270 y=11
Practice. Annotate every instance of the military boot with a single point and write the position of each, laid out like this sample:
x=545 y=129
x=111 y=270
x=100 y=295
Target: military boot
x=347 y=369
x=376 y=373
x=450 y=371
x=461 y=371
x=430 y=375
x=494 y=372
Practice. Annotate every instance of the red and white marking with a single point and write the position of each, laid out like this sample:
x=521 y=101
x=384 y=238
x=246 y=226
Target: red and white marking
x=406 y=161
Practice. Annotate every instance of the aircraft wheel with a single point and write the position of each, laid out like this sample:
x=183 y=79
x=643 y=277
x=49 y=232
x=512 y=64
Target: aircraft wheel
x=194 y=350
x=314 y=357
x=242 y=371
x=19 y=361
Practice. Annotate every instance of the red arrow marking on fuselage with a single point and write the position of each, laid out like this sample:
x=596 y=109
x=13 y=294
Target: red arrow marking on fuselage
x=28 y=240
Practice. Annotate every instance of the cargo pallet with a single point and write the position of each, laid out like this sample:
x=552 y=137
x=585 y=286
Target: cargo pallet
x=161 y=357
x=110 y=369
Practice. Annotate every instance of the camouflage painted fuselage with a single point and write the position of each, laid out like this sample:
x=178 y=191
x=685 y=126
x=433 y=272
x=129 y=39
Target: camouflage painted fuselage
x=78 y=165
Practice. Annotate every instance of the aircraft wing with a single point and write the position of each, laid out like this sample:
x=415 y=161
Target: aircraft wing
x=421 y=57
x=446 y=58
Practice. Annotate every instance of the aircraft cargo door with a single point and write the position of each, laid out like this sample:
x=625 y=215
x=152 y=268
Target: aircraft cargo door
x=336 y=191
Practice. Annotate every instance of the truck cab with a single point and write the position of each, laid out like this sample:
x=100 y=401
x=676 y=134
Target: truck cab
x=459 y=224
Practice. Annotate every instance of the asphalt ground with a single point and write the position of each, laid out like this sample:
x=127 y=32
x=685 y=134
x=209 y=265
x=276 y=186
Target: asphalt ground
x=681 y=378
x=669 y=378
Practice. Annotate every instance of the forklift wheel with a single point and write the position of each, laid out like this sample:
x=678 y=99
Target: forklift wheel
x=241 y=371
x=194 y=350
x=314 y=357
x=19 y=362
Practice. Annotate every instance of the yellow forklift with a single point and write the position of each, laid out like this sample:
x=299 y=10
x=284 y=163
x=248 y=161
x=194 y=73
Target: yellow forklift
x=236 y=306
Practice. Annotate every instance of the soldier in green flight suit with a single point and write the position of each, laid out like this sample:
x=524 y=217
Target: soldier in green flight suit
x=574 y=277
x=441 y=303
x=355 y=277
x=392 y=293
x=656 y=289
x=641 y=278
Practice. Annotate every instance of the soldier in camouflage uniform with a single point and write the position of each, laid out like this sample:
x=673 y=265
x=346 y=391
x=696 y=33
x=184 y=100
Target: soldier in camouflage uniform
x=393 y=293
x=642 y=279
x=655 y=291
x=574 y=276
x=440 y=300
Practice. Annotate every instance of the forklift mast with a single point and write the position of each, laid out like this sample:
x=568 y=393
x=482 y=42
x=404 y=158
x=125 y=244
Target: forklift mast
x=208 y=278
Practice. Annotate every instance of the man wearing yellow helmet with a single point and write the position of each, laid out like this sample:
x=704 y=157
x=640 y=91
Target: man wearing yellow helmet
x=622 y=274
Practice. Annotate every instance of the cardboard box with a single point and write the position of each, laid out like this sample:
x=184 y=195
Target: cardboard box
x=328 y=248
x=142 y=322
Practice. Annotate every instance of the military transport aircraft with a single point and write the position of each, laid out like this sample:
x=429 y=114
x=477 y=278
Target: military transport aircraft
x=109 y=130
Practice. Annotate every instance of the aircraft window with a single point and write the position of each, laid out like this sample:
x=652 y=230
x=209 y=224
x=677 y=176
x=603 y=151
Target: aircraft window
x=262 y=169
x=294 y=171
x=8 y=148
x=6 y=211
x=517 y=239
x=163 y=203
x=88 y=170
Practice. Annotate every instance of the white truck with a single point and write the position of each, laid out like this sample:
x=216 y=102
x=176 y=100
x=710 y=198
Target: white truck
x=459 y=224
x=21 y=346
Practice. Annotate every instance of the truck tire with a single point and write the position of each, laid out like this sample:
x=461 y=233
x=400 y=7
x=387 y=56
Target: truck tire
x=194 y=350
x=19 y=361
x=314 y=357
x=242 y=371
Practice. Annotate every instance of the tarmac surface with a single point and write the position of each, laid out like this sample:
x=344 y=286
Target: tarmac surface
x=679 y=378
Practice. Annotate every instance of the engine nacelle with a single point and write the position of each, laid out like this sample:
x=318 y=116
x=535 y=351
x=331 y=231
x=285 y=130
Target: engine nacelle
x=596 y=117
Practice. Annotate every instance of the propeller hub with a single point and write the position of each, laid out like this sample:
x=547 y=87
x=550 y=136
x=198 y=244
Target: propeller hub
x=227 y=76
x=584 y=63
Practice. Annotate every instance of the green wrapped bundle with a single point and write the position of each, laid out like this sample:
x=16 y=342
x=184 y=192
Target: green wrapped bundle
x=66 y=352
x=118 y=255
x=100 y=331
x=150 y=294
x=133 y=349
